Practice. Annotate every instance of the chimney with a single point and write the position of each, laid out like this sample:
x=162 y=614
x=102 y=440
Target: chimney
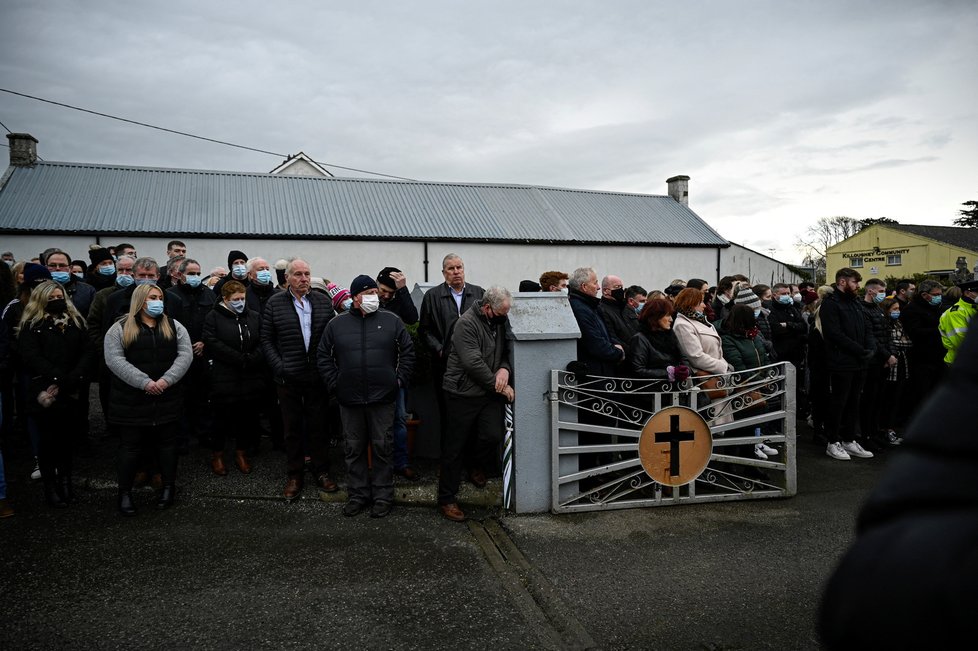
x=23 y=149
x=678 y=188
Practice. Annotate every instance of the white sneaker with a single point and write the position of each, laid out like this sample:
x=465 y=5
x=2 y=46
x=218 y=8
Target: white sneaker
x=836 y=451
x=36 y=473
x=768 y=450
x=758 y=452
x=892 y=438
x=856 y=450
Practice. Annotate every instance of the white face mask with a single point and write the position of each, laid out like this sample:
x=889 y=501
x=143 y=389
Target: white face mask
x=563 y=290
x=369 y=303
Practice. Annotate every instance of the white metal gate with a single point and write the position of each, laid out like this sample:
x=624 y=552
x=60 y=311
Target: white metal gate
x=597 y=421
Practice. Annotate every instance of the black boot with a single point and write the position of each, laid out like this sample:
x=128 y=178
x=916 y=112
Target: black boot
x=166 y=496
x=126 y=507
x=67 y=490
x=52 y=494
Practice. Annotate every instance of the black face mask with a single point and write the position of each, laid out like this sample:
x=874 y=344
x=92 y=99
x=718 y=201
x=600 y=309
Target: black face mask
x=57 y=306
x=618 y=295
x=497 y=320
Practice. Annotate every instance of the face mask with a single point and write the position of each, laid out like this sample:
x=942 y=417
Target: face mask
x=78 y=275
x=895 y=314
x=124 y=281
x=935 y=300
x=563 y=290
x=497 y=320
x=757 y=313
x=60 y=276
x=107 y=270
x=145 y=281
x=697 y=314
x=239 y=271
x=784 y=299
x=193 y=280
x=154 y=308
x=369 y=303
x=347 y=304
x=638 y=308
x=56 y=306
x=264 y=276
x=10 y=263
x=618 y=295
x=238 y=305
x=796 y=298
x=879 y=298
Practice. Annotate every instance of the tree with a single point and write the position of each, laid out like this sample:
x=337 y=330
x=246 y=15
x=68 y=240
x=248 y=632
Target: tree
x=863 y=223
x=969 y=216
x=821 y=235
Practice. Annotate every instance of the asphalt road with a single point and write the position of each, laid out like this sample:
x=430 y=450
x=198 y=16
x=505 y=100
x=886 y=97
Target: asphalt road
x=233 y=566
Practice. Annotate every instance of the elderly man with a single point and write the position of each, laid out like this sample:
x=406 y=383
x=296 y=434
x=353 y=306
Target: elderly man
x=596 y=348
x=292 y=325
x=261 y=284
x=477 y=382
x=365 y=357
x=81 y=293
x=440 y=308
x=620 y=319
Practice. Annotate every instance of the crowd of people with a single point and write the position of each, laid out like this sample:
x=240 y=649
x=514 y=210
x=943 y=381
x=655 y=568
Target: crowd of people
x=181 y=357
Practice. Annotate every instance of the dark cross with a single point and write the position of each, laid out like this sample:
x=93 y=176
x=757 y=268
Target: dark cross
x=673 y=437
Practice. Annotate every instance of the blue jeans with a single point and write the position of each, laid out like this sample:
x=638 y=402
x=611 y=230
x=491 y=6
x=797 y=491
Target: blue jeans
x=400 y=430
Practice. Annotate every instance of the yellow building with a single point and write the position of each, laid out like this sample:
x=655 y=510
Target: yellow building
x=902 y=250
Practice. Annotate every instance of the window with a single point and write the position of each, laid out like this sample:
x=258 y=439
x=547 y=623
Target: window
x=894 y=260
x=856 y=263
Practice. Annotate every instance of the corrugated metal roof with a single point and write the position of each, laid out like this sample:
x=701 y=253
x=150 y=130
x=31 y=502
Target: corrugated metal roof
x=74 y=197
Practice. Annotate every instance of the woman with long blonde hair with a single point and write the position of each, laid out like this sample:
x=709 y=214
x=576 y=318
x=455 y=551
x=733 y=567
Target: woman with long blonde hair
x=56 y=355
x=148 y=353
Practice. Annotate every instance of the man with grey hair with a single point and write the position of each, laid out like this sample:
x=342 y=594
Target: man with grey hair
x=144 y=272
x=595 y=348
x=477 y=382
x=291 y=329
x=261 y=284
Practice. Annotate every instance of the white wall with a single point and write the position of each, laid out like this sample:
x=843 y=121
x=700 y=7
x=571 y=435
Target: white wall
x=486 y=264
x=759 y=268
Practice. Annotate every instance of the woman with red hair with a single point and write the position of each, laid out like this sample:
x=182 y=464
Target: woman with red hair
x=653 y=352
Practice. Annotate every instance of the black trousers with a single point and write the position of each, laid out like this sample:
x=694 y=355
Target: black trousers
x=842 y=412
x=58 y=426
x=302 y=416
x=371 y=426
x=135 y=439
x=479 y=418
x=236 y=419
x=871 y=402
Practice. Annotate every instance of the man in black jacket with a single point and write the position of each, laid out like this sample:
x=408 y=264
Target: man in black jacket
x=789 y=333
x=291 y=328
x=620 y=319
x=921 y=320
x=849 y=345
x=871 y=401
x=365 y=357
x=395 y=297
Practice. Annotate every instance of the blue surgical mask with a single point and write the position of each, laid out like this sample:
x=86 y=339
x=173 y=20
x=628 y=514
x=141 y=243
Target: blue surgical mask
x=347 y=304
x=107 y=270
x=264 y=276
x=145 y=281
x=895 y=314
x=124 y=281
x=154 y=308
x=60 y=276
x=697 y=313
x=638 y=308
x=239 y=271
x=879 y=297
x=237 y=305
x=935 y=300
x=784 y=299
x=193 y=280
x=757 y=313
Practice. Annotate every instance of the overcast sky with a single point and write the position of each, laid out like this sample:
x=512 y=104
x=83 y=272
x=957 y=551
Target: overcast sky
x=780 y=112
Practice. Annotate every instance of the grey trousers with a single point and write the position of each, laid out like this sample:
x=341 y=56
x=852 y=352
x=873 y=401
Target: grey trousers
x=362 y=426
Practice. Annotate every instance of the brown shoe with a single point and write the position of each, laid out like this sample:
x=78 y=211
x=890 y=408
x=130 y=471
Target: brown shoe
x=241 y=461
x=478 y=478
x=217 y=464
x=157 y=481
x=452 y=512
x=292 y=488
x=5 y=510
x=140 y=480
x=326 y=484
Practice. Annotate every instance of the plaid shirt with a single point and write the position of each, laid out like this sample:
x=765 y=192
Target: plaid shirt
x=899 y=345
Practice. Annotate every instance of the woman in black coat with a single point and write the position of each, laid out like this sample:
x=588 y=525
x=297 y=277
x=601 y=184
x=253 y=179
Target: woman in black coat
x=231 y=342
x=653 y=352
x=56 y=355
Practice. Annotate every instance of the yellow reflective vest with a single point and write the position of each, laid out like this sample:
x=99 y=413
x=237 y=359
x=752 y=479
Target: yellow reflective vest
x=954 y=326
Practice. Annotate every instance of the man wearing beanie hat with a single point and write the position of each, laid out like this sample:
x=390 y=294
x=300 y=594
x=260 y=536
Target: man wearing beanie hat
x=101 y=272
x=395 y=297
x=365 y=356
x=956 y=319
x=238 y=270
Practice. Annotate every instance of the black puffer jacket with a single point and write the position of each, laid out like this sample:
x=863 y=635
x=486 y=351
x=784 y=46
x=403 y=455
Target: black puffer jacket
x=649 y=352
x=881 y=333
x=921 y=321
x=232 y=344
x=789 y=338
x=189 y=305
x=281 y=337
x=363 y=359
x=51 y=355
x=439 y=313
x=620 y=320
x=849 y=344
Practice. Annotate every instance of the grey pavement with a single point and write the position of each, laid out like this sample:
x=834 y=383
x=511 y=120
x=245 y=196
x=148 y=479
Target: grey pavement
x=233 y=566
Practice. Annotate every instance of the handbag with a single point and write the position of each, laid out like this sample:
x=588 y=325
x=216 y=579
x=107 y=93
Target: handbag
x=710 y=386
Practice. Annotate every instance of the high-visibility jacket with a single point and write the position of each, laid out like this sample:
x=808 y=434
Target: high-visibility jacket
x=954 y=326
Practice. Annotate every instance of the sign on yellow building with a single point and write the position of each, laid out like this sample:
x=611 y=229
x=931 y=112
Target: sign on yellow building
x=902 y=250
